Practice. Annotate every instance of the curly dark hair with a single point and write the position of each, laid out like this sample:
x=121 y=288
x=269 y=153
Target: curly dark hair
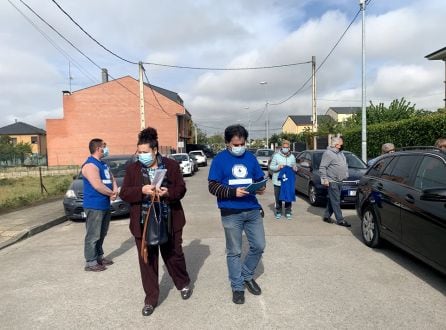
x=148 y=136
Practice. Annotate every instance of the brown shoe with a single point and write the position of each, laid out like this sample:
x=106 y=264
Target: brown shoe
x=95 y=268
x=105 y=262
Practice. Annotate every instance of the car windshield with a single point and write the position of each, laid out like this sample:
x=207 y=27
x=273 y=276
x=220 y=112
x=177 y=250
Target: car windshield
x=180 y=158
x=196 y=153
x=264 y=152
x=352 y=160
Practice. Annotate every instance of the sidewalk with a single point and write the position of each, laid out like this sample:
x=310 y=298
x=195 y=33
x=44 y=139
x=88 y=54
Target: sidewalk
x=21 y=224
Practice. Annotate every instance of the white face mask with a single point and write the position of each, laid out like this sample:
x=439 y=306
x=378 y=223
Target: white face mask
x=237 y=151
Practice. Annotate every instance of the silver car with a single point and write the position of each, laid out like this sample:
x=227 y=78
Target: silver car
x=263 y=157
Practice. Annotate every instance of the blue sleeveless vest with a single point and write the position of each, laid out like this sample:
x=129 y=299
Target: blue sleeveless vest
x=93 y=199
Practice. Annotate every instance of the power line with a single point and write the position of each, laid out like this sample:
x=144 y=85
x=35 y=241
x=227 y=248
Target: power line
x=322 y=63
x=227 y=69
x=53 y=43
x=89 y=35
x=174 y=66
x=86 y=56
x=154 y=95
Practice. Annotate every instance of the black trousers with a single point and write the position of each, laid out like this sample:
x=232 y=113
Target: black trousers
x=279 y=202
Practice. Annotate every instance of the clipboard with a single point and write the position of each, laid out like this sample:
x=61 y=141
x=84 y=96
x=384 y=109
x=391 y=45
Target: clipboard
x=253 y=187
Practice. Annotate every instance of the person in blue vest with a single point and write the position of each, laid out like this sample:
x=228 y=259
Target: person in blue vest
x=99 y=188
x=232 y=170
x=283 y=164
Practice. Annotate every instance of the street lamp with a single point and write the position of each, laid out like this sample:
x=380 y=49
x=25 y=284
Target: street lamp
x=249 y=121
x=267 y=115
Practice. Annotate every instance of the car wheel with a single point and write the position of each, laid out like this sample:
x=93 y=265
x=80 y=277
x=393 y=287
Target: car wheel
x=312 y=196
x=369 y=228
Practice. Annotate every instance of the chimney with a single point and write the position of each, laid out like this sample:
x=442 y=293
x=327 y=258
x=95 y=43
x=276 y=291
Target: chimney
x=104 y=75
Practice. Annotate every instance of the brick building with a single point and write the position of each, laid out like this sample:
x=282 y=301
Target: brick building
x=111 y=111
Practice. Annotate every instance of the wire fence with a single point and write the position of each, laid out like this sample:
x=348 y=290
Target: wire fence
x=18 y=172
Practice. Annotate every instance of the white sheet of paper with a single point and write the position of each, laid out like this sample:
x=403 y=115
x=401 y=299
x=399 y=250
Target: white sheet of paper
x=158 y=177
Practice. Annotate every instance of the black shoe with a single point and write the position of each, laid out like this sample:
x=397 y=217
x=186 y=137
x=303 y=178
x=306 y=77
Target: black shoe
x=343 y=223
x=147 y=310
x=253 y=287
x=238 y=297
x=328 y=220
x=186 y=292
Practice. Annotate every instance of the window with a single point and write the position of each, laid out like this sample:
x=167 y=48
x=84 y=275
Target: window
x=13 y=141
x=379 y=166
x=402 y=169
x=431 y=174
x=33 y=139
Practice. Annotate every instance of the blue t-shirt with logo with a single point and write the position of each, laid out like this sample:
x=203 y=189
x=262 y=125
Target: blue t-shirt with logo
x=287 y=177
x=234 y=171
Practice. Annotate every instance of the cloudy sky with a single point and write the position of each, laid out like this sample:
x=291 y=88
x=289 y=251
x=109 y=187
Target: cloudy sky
x=35 y=61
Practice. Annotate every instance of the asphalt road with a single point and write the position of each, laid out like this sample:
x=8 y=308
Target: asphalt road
x=313 y=276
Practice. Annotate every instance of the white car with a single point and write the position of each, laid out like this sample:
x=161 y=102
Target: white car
x=185 y=162
x=200 y=157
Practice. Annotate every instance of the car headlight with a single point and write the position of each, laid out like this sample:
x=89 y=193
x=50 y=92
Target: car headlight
x=70 y=194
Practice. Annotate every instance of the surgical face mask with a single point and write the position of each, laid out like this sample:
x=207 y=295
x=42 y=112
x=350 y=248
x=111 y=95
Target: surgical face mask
x=237 y=151
x=146 y=159
x=105 y=151
x=285 y=150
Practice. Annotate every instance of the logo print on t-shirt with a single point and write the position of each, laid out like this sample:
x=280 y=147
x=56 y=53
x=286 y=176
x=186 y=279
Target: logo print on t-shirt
x=239 y=171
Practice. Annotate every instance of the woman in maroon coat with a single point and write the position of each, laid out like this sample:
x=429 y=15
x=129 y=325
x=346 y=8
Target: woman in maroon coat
x=137 y=190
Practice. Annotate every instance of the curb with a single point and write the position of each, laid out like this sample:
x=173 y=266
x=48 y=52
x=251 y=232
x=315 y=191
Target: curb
x=32 y=231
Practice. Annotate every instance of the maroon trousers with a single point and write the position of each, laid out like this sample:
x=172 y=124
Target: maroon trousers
x=173 y=257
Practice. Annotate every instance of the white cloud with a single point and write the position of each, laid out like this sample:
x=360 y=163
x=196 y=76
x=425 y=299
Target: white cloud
x=226 y=34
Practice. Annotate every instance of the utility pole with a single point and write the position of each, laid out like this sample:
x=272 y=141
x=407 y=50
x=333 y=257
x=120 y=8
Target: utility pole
x=313 y=100
x=142 y=114
x=196 y=135
x=362 y=5
x=267 y=114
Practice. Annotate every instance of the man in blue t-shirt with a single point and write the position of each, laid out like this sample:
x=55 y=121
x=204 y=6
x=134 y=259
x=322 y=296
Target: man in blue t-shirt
x=231 y=171
x=99 y=188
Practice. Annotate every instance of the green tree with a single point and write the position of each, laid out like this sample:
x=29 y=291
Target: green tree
x=380 y=114
x=21 y=150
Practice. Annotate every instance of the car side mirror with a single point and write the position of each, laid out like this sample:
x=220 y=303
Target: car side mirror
x=434 y=195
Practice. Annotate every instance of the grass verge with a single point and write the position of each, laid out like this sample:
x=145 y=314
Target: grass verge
x=16 y=193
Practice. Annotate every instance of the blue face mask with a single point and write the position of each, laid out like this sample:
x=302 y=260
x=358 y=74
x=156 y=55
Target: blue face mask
x=105 y=151
x=285 y=150
x=146 y=159
x=237 y=151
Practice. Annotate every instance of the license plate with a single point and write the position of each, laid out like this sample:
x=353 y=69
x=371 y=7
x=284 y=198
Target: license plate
x=352 y=192
x=83 y=215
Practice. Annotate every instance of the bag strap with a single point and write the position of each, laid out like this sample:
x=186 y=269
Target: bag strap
x=144 y=246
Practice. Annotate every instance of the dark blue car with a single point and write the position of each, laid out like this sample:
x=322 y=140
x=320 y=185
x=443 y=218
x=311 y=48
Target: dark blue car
x=308 y=180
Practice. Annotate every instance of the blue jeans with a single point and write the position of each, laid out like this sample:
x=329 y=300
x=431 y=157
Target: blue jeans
x=252 y=223
x=334 y=201
x=97 y=223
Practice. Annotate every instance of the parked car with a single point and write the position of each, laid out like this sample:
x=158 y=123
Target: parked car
x=402 y=199
x=73 y=199
x=186 y=163
x=308 y=180
x=195 y=162
x=263 y=157
x=200 y=157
